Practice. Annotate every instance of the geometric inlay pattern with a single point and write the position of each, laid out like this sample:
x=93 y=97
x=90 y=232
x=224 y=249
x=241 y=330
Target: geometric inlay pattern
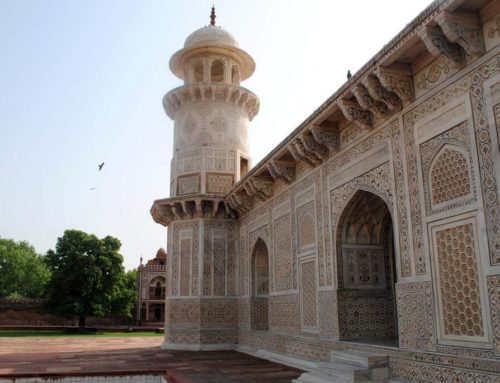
x=188 y=184
x=308 y=295
x=307 y=226
x=449 y=176
x=458 y=277
x=219 y=266
x=219 y=183
x=283 y=253
x=185 y=265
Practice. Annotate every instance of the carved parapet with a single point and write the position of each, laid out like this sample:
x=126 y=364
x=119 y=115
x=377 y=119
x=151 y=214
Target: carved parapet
x=397 y=79
x=355 y=113
x=168 y=210
x=284 y=170
x=464 y=29
x=379 y=93
x=326 y=136
x=231 y=93
x=437 y=43
x=378 y=108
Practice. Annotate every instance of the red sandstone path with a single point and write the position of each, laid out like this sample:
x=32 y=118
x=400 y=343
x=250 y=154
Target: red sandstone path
x=68 y=356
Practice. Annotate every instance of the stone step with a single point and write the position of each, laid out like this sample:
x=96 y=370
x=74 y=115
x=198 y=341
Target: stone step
x=347 y=366
x=318 y=377
x=359 y=358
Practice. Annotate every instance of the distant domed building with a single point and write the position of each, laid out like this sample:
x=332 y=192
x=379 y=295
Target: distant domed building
x=369 y=238
x=151 y=282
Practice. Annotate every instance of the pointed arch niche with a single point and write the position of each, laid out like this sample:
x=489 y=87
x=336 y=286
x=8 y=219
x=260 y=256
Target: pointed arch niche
x=366 y=271
x=259 y=302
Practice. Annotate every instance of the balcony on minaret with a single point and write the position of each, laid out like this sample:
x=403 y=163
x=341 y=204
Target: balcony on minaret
x=211 y=113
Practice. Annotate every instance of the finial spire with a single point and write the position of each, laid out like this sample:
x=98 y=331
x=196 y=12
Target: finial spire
x=212 y=16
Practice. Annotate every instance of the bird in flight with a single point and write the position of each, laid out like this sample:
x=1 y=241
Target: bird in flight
x=93 y=188
x=100 y=166
x=349 y=75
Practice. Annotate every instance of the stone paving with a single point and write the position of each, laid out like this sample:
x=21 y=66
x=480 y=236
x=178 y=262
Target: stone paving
x=87 y=356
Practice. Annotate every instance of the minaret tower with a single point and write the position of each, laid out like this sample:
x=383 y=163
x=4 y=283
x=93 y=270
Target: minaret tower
x=211 y=114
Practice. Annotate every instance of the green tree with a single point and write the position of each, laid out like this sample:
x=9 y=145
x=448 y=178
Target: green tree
x=88 y=277
x=23 y=272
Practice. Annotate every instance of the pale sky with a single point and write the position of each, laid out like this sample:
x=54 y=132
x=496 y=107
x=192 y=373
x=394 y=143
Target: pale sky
x=81 y=82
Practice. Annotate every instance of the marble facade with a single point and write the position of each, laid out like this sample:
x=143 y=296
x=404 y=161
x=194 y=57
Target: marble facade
x=375 y=225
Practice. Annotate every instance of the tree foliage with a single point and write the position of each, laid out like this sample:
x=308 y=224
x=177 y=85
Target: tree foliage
x=88 y=277
x=23 y=272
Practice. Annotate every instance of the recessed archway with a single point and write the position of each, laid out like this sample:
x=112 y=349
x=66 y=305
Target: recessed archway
x=259 y=301
x=366 y=271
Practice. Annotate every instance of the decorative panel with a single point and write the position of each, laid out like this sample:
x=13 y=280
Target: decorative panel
x=363 y=267
x=415 y=315
x=188 y=184
x=306 y=226
x=219 y=266
x=220 y=160
x=494 y=293
x=433 y=74
x=406 y=370
x=447 y=173
x=219 y=257
x=449 y=177
x=458 y=280
x=219 y=183
x=185 y=266
x=308 y=295
x=185 y=258
x=242 y=264
x=366 y=314
x=282 y=253
x=189 y=161
x=284 y=315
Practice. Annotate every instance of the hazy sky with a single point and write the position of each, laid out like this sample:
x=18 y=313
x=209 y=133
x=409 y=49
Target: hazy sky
x=81 y=82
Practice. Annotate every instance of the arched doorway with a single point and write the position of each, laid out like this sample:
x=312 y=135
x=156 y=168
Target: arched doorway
x=259 y=305
x=366 y=271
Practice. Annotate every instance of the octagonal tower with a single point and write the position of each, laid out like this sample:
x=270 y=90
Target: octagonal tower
x=211 y=114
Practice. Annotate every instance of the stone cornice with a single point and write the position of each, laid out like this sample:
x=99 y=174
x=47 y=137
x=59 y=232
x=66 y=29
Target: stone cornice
x=378 y=90
x=165 y=211
x=202 y=91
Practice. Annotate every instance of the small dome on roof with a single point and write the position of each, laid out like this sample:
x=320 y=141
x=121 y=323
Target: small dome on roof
x=161 y=253
x=210 y=35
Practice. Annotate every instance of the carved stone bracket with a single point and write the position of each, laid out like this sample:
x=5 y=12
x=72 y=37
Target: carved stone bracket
x=464 y=29
x=379 y=109
x=235 y=94
x=397 y=79
x=181 y=208
x=260 y=187
x=326 y=136
x=437 y=43
x=314 y=148
x=353 y=112
x=296 y=148
x=284 y=170
x=264 y=185
x=379 y=93
x=240 y=201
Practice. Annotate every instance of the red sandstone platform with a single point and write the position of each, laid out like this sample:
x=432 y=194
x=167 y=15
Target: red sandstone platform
x=68 y=356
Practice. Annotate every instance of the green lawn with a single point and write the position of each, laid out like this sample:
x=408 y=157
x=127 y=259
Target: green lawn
x=22 y=333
